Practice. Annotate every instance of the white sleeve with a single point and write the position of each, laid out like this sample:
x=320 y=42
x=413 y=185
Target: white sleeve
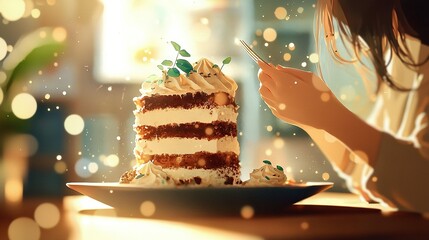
x=400 y=176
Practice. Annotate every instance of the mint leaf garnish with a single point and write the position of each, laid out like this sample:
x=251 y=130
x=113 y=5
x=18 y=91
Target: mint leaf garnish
x=176 y=46
x=267 y=162
x=173 y=72
x=225 y=61
x=167 y=63
x=279 y=168
x=140 y=176
x=184 y=65
x=160 y=67
x=268 y=178
x=184 y=53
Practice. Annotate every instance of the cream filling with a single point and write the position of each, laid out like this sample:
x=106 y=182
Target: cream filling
x=186 y=145
x=208 y=176
x=213 y=80
x=179 y=115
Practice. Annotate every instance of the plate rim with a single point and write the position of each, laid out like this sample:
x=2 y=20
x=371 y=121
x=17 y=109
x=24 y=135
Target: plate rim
x=180 y=188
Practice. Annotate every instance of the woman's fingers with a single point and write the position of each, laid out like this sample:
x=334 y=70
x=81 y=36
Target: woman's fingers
x=296 y=73
x=266 y=80
x=266 y=93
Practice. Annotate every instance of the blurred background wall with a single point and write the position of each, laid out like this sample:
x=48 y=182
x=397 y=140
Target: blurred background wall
x=69 y=71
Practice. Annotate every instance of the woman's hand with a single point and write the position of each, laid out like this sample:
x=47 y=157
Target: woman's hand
x=297 y=97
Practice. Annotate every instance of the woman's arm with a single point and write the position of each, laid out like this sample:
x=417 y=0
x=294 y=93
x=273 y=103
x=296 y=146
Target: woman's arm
x=303 y=99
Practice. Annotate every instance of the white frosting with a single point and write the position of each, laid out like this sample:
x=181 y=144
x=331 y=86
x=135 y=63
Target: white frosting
x=210 y=81
x=266 y=175
x=149 y=174
x=179 y=115
x=187 y=145
x=208 y=176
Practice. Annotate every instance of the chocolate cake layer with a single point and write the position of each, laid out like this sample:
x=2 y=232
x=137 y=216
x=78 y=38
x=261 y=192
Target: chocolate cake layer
x=214 y=130
x=186 y=101
x=201 y=160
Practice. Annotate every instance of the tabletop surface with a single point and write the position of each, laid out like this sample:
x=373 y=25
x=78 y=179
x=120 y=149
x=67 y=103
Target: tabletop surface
x=325 y=215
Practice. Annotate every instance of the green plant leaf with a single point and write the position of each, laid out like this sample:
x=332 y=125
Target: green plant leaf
x=176 y=46
x=184 y=53
x=37 y=59
x=139 y=176
x=184 y=65
x=267 y=162
x=280 y=168
x=215 y=66
x=167 y=63
x=173 y=72
x=226 y=60
x=160 y=67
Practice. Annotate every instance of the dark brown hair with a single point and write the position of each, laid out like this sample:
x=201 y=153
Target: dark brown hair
x=372 y=27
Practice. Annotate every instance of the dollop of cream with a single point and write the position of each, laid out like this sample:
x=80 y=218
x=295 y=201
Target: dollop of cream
x=149 y=174
x=266 y=175
x=205 y=78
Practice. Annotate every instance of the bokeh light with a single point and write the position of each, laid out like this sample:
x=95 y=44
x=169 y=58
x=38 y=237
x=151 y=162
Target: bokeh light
x=270 y=34
x=280 y=13
x=23 y=228
x=47 y=215
x=59 y=34
x=291 y=46
x=92 y=167
x=60 y=167
x=325 y=176
x=300 y=10
x=278 y=143
x=111 y=160
x=305 y=225
x=147 y=208
x=1 y=96
x=13 y=189
x=247 y=212
x=314 y=58
x=74 y=124
x=35 y=13
x=81 y=168
x=24 y=106
x=12 y=10
x=3 y=48
x=287 y=57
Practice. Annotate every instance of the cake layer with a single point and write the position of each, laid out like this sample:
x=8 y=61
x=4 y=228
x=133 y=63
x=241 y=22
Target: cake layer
x=205 y=177
x=210 y=131
x=185 y=101
x=186 y=145
x=204 y=160
x=179 y=116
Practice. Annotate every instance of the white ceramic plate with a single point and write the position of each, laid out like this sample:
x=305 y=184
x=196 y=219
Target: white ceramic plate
x=194 y=201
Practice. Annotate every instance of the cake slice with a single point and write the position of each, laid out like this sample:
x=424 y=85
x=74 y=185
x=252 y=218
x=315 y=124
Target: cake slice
x=188 y=126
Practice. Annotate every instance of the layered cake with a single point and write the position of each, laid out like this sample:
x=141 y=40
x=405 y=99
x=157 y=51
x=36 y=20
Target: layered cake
x=187 y=125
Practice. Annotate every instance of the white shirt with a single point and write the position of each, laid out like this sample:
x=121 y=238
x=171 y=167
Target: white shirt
x=400 y=177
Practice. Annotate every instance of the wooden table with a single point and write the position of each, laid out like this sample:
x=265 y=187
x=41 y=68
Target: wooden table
x=324 y=216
